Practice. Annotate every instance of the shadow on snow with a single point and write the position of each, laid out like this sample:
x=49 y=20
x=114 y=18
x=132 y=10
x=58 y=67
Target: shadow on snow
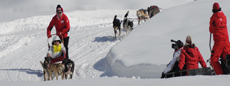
x=39 y=73
x=105 y=39
x=108 y=38
x=103 y=65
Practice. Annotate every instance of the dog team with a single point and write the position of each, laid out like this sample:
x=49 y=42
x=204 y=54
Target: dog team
x=142 y=14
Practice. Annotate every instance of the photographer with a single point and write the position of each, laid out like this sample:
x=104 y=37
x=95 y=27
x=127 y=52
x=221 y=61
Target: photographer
x=173 y=65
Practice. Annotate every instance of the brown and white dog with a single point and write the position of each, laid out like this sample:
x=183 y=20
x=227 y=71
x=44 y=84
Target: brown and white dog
x=153 y=10
x=127 y=23
x=116 y=26
x=50 y=69
x=142 y=15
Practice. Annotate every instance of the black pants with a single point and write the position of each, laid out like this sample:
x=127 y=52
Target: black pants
x=66 y=43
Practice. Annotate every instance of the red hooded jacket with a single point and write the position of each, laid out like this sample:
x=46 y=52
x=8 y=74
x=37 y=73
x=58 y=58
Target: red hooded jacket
x=61 y=24
x=218 y=27
x=190 y=55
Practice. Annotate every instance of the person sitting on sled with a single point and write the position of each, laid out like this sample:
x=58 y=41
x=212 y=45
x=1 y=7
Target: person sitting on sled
x=173 y=65
x=190 y=55
x=57 y=51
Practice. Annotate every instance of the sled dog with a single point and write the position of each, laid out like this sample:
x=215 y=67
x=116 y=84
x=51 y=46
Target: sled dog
x=153 y=10
x=127 y=24
x=142 y=15
x=116 y=26
x=50 y=69
x=69 y=69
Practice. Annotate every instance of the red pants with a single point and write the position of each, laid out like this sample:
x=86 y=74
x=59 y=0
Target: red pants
x=219 y=49
x=60 y=58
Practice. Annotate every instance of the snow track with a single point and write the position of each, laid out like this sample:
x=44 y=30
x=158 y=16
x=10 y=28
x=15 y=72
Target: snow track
x=24 y=44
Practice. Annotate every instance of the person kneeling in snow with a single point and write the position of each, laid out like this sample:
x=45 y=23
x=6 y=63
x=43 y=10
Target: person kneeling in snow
x=57 y=51
x=190 y=55
x=173 y=65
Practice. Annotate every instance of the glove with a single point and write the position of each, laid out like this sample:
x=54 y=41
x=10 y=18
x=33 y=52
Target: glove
x=60 y=33
x=49 y=35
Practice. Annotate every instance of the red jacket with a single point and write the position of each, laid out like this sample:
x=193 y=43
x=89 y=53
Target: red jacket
x=218 y=27
x=62 y=25
x=190 y=56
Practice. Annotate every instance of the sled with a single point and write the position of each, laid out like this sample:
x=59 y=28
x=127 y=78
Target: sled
x=201 y=71
x=191 y=72
x=224 y=64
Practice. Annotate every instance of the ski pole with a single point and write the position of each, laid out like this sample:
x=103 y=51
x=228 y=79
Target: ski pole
x=210 y=52
x=210 y=42
x=210 y=45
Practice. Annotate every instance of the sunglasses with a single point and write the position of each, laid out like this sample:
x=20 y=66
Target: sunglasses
x=59 y=12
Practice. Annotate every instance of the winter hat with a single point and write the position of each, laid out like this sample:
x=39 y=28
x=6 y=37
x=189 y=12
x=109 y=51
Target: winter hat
x=216 y=7
x=188 y=40
x=59 y=8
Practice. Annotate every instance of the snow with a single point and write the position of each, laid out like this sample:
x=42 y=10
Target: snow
x=132 y=60
x=145 y=52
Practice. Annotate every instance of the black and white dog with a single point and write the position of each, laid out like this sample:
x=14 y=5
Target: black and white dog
x=116 y=26
x=127 y=24
x=69 y=68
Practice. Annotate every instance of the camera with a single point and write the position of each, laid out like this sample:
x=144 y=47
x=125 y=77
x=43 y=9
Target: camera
x=177 y=44
x=174 y=45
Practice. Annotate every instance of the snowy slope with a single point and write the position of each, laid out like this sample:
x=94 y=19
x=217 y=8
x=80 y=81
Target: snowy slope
x=23 y=42
x=145 y=52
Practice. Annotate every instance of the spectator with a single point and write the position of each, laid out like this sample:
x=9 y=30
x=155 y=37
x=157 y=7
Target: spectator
x=190 y=55
x=218 y=27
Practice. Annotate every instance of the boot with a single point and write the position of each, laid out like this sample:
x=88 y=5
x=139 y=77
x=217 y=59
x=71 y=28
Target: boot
x=227 y=60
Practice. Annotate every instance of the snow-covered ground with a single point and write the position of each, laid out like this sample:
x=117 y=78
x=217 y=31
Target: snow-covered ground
x=148 y=47
x=23 y=41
